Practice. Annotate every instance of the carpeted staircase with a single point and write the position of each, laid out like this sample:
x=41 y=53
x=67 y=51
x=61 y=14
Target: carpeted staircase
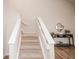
x=30 y=48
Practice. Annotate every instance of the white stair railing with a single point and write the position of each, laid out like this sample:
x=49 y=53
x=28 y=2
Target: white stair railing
x=46 y=41
x=15 y=41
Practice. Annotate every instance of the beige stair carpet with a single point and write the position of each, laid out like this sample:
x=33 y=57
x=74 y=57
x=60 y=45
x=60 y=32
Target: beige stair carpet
x=30 y=48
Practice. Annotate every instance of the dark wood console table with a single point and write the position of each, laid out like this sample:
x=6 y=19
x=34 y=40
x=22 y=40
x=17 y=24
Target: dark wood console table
x=69 y=36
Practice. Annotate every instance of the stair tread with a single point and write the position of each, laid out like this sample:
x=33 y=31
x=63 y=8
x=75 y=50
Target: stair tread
x=31 y=55
x=30 y=41
x=30 y=47
x=30 y=51
x=31 y=38
x=31 y=58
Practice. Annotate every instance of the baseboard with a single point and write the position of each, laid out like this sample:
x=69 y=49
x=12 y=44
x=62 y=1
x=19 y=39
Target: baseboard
x=30 y=34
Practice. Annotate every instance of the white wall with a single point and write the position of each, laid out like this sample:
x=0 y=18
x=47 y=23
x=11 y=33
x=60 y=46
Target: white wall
x=10 y=18
x=52 y=12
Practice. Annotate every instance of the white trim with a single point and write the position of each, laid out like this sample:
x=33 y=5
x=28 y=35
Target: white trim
x=15 y=32
x=15 y=41
x=19 y=45
x=46 y=41
x=42 y=47
x=49 y=39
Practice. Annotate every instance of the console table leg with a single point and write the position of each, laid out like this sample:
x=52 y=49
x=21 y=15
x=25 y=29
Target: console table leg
x=73 y=41
x=69 y=42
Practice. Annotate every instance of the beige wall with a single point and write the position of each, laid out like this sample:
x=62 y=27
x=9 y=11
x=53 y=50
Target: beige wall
x=9 y=18
x=52 y=12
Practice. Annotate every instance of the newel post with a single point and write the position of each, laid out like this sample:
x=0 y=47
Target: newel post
x=52 y=52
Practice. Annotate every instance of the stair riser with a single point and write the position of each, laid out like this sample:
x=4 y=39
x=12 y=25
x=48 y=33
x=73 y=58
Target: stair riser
x=30 y=51
x=30 y=41
x=30 y=56
x=30 y=44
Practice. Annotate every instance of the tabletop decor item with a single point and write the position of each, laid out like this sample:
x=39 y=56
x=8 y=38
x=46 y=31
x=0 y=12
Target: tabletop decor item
x=52 y=34
x=67 y=31
x=59 y=27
